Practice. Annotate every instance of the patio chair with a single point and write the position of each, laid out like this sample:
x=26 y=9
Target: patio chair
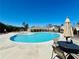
x=72 y=56
x=58 y=53
x=75 y=56
x=55 y=42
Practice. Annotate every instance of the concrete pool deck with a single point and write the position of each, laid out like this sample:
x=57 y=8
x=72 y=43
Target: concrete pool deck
x=10 y=50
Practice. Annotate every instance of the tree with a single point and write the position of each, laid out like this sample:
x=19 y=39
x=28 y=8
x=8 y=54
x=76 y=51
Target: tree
x=78 y=23
x=25 y=26
x=75 y=31
x=49 y=25
x=59 y=29
x=8 y=28
x=62 y=25
x=2 y=27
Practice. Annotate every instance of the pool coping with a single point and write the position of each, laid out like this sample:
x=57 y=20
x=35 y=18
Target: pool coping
x=50 y=42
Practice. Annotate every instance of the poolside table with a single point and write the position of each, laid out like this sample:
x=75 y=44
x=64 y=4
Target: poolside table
x=68 y=47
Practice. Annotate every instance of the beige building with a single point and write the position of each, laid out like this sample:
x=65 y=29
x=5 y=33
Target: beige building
x=42 y=29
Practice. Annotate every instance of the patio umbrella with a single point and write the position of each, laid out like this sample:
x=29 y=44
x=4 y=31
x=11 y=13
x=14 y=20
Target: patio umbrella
x=68 y=29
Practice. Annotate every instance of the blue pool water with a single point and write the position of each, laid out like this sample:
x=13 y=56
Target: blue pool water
x=35 y=37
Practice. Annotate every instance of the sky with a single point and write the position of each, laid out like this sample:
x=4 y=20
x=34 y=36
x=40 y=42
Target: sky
x=38 y=12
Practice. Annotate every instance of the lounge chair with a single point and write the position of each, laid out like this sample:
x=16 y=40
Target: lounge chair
x=55 y=42
x=58 y=53
x=73 y=56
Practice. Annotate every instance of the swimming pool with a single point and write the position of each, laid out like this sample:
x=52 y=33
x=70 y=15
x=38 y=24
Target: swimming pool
x=35 y=37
